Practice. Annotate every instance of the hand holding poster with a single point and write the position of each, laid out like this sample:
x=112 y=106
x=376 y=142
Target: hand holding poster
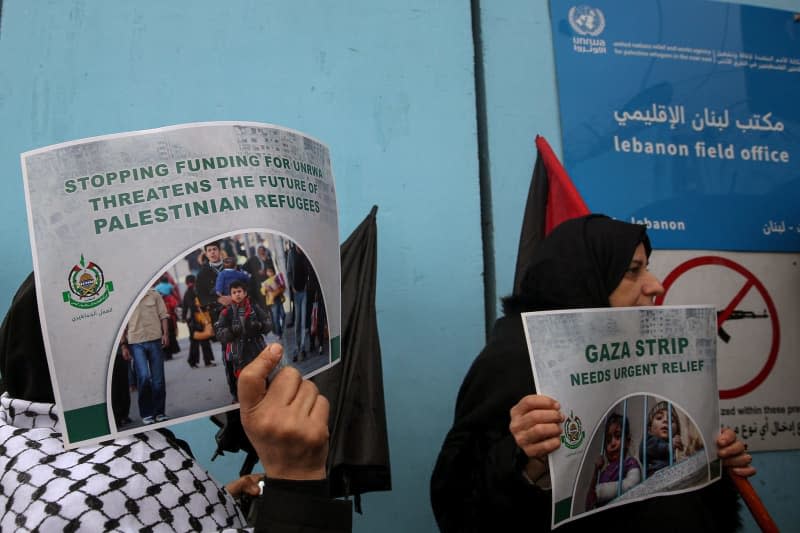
x=638 y=387
x=118 y=222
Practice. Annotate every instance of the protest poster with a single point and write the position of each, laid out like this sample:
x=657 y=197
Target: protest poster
x=638 y=388
x=120 y=223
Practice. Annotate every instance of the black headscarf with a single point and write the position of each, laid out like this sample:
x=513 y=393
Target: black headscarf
x=578 y=265
x=23 y=362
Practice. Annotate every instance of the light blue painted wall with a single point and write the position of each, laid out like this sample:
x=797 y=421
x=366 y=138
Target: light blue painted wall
x=389 y=86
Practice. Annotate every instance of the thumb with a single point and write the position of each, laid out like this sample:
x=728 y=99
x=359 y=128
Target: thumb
x=253 y=379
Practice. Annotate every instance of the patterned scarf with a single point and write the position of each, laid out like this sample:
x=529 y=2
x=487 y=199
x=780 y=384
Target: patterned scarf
x=145 y=482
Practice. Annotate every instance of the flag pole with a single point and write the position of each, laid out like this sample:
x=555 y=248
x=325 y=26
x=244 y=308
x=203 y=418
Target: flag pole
x=754 y=503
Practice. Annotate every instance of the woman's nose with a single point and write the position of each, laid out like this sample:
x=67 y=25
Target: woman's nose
x=652 y=287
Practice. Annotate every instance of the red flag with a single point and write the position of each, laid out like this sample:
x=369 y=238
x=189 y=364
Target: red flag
x=563 y=199
x=552 y=199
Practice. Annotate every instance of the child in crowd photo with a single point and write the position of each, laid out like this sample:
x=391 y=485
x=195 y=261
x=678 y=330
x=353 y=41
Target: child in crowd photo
x=241 y=328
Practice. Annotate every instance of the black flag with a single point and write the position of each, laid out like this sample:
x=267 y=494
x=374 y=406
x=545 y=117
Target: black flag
x=358 y=459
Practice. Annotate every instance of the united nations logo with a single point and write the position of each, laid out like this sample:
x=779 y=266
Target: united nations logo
x=573 y=432
x=87 y=286
x=586 y=20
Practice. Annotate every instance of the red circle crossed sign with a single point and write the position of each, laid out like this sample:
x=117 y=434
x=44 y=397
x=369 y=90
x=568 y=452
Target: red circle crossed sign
x=750 y=282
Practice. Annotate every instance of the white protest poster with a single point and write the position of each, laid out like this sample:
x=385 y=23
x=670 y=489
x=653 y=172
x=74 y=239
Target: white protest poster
x=120 y=224
x=638 y=387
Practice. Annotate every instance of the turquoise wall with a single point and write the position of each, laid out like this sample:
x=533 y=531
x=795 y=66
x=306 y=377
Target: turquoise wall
x=390 y=87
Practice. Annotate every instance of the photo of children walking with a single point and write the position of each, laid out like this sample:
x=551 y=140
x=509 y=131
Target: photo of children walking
x=227 y=298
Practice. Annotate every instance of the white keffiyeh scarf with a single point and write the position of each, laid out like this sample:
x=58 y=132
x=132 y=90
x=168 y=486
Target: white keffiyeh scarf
x=140 y=483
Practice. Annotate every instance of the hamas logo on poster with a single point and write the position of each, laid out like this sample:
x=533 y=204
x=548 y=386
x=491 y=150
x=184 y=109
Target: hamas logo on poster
x=587 y=20
x=87 y=286
x=573 y=432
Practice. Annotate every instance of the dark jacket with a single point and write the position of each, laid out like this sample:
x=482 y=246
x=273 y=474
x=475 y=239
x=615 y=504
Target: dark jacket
x=242 y=329
x=205 y=289
x=656 y=450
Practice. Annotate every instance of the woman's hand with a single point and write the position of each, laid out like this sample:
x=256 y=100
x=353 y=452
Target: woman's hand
x=287 y=421
x=733 y=453
x=245 y=485
x=536 y=427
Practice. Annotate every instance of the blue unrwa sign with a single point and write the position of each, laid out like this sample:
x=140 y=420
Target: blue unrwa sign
x=684 y=118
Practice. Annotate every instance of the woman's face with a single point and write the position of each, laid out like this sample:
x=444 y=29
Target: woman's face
x=638 y=285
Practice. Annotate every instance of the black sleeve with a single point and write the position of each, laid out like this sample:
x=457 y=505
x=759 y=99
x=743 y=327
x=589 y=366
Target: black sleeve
x=301 y=507
x=477 y=485
x=249 y=266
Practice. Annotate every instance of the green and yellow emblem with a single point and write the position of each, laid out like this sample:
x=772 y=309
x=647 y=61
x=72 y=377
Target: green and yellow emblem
x=573 y=432
x=87 y=286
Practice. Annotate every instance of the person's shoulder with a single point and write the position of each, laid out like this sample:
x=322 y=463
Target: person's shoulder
x=507 y=340
x=127 y=481
x=152 y=294
x=507 y=327
x=501 y=374
x=159 y=458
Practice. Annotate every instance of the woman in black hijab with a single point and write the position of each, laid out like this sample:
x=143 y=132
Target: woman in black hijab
x=491 y=472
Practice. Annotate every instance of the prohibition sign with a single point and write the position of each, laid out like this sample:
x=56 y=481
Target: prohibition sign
x=750 y=282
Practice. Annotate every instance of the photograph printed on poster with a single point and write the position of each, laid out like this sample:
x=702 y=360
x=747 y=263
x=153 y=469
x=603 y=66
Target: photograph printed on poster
x=205 y=317
x=644 y=445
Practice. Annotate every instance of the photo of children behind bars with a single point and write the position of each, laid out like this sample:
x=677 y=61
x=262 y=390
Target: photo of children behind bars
x=645 y=445
x=225 y=299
